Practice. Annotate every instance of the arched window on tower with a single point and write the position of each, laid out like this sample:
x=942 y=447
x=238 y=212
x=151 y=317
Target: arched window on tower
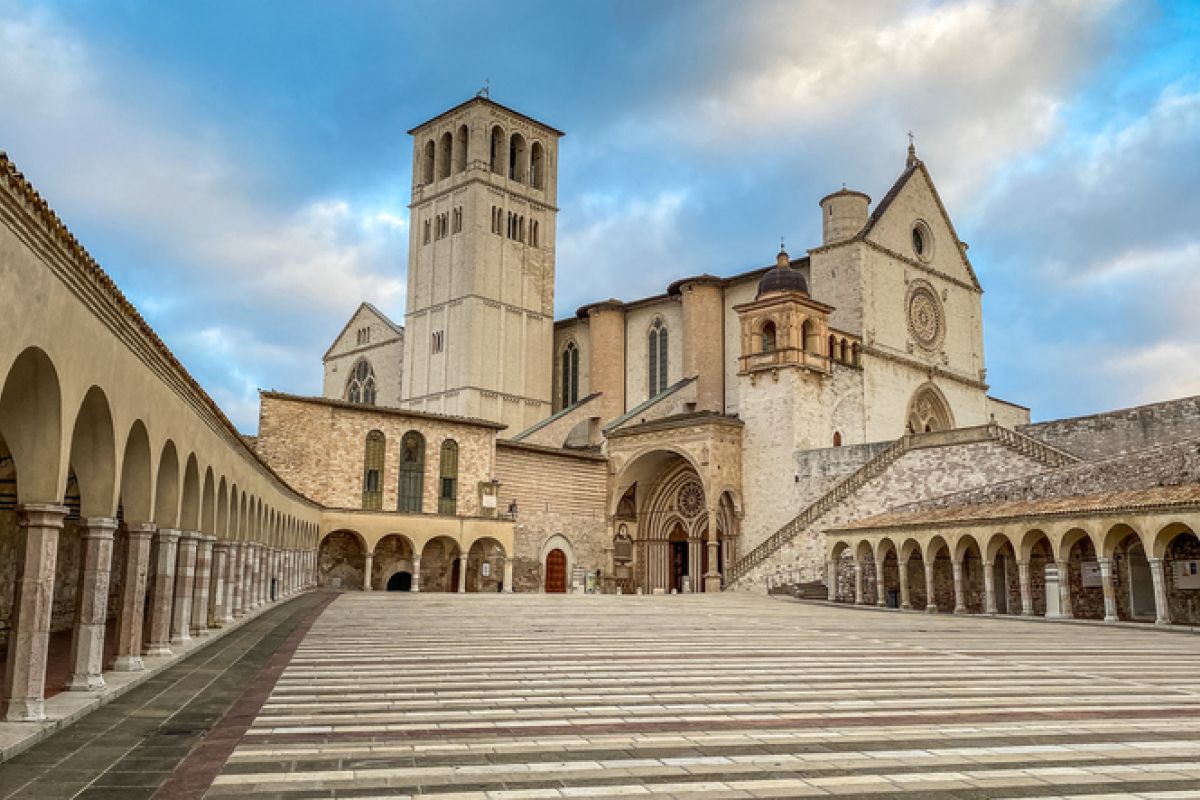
x=448 y=482
x=833 y=348
x=657 y=358
x=768 y=336
x=427 y=166
x=517 y=165
x=412 y=473
x=445 y=146
x=570 y=375
x=372 y=492
x=496 y=150
x=460 y=148
x=360 y=388
x=537 y=166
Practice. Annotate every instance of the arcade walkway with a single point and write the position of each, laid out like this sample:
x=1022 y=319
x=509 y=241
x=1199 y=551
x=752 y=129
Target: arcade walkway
x=474 y=697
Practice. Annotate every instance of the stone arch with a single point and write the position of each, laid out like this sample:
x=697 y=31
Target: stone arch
x=1079 y=549
x=485 y=565
x=461 y=147
x=189 y=509
x=427 y=162
x=440 y=565
x=445 y=150
x=31 y=426
x=392 y=554
x=93 y=456
x=166 y=487
x=137 y=471
x=341 y=559
x=496 y=152
x=939 y=574
x=537 y=166
x=912 y=566
x=928 y=410
x=1180 y=548
x=518 y=166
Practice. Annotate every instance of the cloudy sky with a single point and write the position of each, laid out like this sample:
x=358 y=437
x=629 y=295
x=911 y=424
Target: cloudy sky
x=242 y=169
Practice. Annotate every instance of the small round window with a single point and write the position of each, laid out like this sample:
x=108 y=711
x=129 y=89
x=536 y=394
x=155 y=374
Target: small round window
x=922 y=241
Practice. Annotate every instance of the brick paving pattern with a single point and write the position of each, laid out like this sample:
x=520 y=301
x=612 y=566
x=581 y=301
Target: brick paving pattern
x=472 y=697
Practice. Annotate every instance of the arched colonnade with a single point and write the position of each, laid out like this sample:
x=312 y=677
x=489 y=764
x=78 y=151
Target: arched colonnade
x=1138 y=567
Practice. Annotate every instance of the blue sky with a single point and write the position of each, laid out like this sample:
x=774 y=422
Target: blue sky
x=242 y=169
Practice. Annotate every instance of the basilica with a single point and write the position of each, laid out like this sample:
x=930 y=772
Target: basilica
x=819 y=426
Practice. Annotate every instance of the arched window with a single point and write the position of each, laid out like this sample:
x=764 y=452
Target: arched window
x=845 y=352
x=928 y=411
x=360 y=388
x=427 y=168
x=833 y=348
x=445 y=146
x=412 y=472
x=537 y=165
x=533 y=233
x=656 y=358
x=570 y=375
x=856 y=354
x=372 y=493
x=448 y=483
x=806 y=335
x=516 y=158
x=460 y=149
x=768 y=336
x=496 y=150
x=837 y=439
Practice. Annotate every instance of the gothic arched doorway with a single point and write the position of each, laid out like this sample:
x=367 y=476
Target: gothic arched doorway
x=556 y=572
x=400 y=582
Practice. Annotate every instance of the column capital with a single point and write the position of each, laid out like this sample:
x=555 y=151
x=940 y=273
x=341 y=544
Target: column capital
x=42 y=515
x=221 y=544
x=139 y=530
x=171 y=535
x=97 y=528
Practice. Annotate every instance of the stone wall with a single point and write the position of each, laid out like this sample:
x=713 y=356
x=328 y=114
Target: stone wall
x=1114 y=433
x=557 y=494
x=318 y=447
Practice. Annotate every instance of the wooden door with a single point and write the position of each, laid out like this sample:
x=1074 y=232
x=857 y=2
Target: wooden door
x=556 y=572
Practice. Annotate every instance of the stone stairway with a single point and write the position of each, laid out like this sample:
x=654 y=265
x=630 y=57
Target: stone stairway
x=1044 y=454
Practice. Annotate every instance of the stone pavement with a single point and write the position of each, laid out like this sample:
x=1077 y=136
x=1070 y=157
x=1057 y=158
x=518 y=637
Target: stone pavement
x=133 y=745
x=540 y=696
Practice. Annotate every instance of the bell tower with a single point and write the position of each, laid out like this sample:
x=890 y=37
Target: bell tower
x=480 y=305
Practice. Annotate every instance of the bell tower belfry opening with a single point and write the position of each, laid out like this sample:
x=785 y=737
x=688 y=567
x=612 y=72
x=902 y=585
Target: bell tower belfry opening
x=480 y=305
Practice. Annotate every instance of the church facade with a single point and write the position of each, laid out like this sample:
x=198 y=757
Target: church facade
x=718 y=407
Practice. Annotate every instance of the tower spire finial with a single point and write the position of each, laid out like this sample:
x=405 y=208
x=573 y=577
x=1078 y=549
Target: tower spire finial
x=912 y=151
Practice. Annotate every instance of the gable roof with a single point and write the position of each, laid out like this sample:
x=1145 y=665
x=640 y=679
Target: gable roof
x=915 y=166
x=397 y=329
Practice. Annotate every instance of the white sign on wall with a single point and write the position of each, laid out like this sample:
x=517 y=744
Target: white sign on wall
x=1089 y=573
x=486 y=569
x=1187 y=574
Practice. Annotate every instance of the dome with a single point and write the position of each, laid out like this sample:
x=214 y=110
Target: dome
x=782 y=278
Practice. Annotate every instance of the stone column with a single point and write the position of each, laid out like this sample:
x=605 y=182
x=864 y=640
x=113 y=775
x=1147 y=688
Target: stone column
x=1064 y=590
x=132 y=610
x=368 y=564
x=989 y=588
x=930 y=595
x=1110 y=591
x=1162 y=606
x=1026 y=582
x=217 y=608
x=880 y=589
x=204 y=555
x=185 y=584
x=462 y=574
x=508 y=575
x=712 y=578
x=416 y=581
x=254 y=580
x=905 y=598
x=166 y=541
x=29 y=631
x=960 y=606
x=234 y=579
x=859 y=599
x=91 y=605
x=831 y=579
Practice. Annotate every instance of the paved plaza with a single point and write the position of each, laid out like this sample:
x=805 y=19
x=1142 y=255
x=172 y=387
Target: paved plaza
x=538 y=696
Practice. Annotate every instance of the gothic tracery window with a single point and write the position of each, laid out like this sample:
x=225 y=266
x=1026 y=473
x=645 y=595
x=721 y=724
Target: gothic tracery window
x=360 y=388
x=570 y=375
x=657 y=358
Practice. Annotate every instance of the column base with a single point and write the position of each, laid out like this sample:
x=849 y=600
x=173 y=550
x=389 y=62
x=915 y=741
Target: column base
x=20 y=710
x=960 y=611
x=86 y=683
x=157 y=650
x=1162 y=622
x=128 y=664
x=712 y=583
x=931 y=608
x=1059 y=615
x=1112 y=619
x=906 y=607
x=181 y=639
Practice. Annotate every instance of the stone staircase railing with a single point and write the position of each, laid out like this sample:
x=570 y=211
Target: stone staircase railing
x=1025 y=445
